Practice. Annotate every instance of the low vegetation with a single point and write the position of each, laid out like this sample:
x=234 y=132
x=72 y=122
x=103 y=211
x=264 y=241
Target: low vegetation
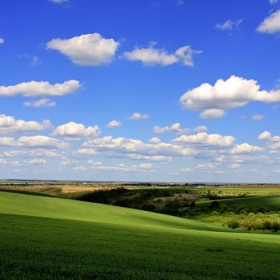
x=52 y=238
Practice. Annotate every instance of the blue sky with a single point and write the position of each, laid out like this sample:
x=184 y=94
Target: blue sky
x=170 y=90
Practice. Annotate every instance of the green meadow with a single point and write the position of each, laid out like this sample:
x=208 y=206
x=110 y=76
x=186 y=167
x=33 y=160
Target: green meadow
x=53 y=238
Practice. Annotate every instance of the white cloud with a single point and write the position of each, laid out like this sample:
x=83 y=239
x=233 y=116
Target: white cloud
x=201 y=128
x=220 y=158
x=58 y=1
x=76 y=131
x=10 y=125
x=39 y=103
x=186 y=169
x=245 y=148
x=206 y=139
x=173 y=128
x=7 y=141
x=271 y=24
x=36 y=161
x=40 y=141
x=258 y=117
x=272 y=142
x=151 y=56
x=150 y=158
x=33 y=89
x=95 y=163
x=15 y=163
x=35 y=61
x=3 y=161
x=88 y=49
x=138 y=116
x=212 y=114
x=79 y=168
x=155 y=140
x=234 y=165
x=232 y=93
x=86 y=152
x=1 y=41
x=39 y=152
x=265 y=136
x=145 y=165
x=273 y=1
x=114 y=123
x=229 y=24
x=131 y=148
x=206 y=166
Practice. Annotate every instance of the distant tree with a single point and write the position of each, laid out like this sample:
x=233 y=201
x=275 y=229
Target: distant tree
x=275 y=226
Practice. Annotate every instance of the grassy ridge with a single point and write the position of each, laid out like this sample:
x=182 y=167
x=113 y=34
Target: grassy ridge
x=65 y=239
x=14 y=203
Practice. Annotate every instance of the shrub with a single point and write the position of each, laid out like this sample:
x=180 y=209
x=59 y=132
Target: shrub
x=267 y=225
x=214 y=204
x=192 y=204
x=246 y=224
x=214 y=213
x=233 y=224
x=275 y=226
x=258 y=224
x=203 y=199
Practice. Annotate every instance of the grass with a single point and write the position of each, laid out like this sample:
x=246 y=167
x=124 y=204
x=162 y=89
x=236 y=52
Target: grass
x=269 y=202
x=52 y=238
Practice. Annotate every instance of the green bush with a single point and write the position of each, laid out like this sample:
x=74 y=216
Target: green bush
x=275 y=226
x=246 y=224
x=267 y=225
x=233 y=224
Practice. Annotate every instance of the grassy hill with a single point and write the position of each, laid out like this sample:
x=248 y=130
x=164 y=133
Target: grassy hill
x=52 y=238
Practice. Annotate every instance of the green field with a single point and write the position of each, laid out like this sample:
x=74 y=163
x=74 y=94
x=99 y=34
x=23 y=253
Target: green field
x=53 y=238
x=269 y=202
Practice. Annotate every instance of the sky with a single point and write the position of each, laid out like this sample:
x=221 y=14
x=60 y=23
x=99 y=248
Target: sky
x=150 y=90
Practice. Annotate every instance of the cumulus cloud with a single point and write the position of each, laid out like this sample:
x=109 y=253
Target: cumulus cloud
x=7 y=141
x=272 y=142
x=9 y=125
x=144 y=167
x=1 y=41
x=40 y=141
x=155 y=140
x=173 y=128
x=151 y=56
x=245 y=148
x=258 y=117
x=212 y=114
x=79 y=168
x=201 y=128
x=228 y=25
x=36 y=161
x=234 y=165
x=58 y=1
x=3 y=161
x=205 y=139
x=34 y=89
x=76 y=131
x=138 y=116
x=229 y=94
x=39 y=103
x=114 y=123
x=124 y=147
x=88 y=49
x=186 y=169
x=271 y=24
